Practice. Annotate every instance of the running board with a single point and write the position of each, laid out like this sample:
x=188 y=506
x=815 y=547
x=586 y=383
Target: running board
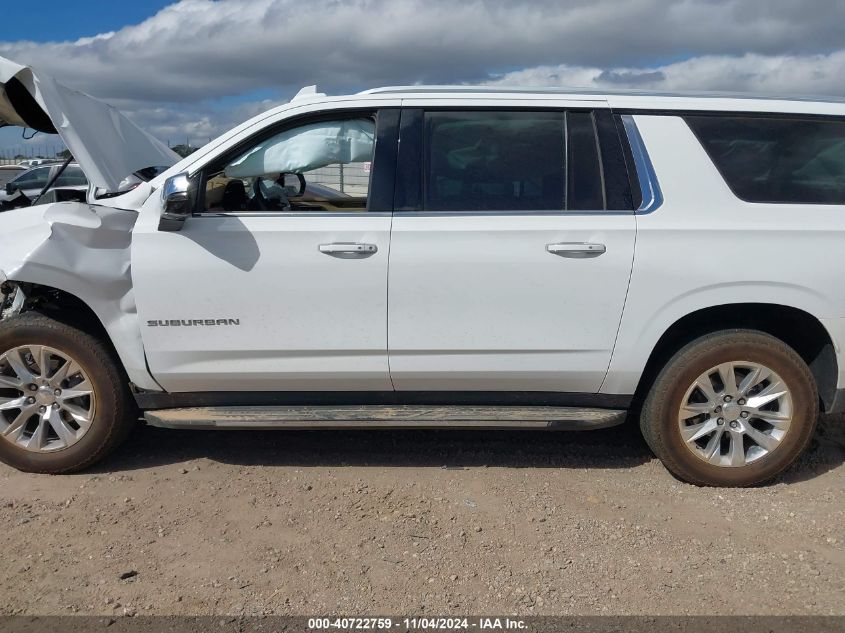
x=390 y=417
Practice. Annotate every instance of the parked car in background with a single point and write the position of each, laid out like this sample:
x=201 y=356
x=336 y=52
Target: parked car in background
x=32 y=182
x=34 y=162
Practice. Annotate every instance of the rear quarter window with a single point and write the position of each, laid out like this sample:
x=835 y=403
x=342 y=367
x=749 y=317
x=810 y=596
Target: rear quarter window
x=785 y=160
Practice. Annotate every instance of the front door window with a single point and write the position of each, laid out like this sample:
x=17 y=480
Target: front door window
x=320 y=166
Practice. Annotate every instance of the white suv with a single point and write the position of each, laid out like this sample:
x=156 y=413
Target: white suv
x=443 y=257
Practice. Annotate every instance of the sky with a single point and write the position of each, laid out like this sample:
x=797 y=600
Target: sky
x=191 y=69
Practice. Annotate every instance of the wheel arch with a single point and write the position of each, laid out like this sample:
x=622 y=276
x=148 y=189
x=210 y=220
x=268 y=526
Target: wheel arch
x=797 y=328
x=121 y=336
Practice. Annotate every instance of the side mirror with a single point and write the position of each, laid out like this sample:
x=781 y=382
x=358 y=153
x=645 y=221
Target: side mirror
x=11 y=188
x=293 y=184
x=176 y=202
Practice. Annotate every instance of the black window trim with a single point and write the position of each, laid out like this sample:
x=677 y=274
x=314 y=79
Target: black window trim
x=634 y=190
x=386 y=123
x=599 y=157
x=739 y=113
x=408 y=200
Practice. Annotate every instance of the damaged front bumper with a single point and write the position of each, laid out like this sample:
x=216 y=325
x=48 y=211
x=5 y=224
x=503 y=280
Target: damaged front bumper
x=12 y=298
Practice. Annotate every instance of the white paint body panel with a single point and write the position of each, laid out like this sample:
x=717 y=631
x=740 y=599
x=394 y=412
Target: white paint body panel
x=308 y=321
x=705 y=247
x=477 y=303
x=83 y=250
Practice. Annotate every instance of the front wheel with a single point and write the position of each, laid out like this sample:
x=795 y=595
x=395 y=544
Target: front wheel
x=63 y=399
x=732 y=408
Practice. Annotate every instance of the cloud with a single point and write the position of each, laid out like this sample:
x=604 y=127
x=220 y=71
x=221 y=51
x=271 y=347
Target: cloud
x=216 y=49
x=194 y=123
x=177 y=70
x=630 y=77
x=806 y=75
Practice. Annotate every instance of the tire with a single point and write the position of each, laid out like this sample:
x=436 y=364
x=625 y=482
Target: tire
x=714 y=459
x=109 y=412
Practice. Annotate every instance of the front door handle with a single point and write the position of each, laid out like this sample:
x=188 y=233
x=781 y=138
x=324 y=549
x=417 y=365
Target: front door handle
x=576 y=250
x=349 y=250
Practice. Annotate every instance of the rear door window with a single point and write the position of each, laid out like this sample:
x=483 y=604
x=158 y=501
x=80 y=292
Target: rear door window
x=495 y=161
x=777 y=160
x=512 y=161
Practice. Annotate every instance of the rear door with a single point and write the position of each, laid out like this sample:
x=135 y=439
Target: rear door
x=511 y=249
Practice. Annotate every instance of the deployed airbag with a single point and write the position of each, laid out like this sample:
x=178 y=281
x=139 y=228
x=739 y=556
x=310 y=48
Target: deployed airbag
x=308 y=147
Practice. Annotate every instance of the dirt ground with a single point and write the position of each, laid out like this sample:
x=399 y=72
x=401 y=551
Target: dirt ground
x=418 y=522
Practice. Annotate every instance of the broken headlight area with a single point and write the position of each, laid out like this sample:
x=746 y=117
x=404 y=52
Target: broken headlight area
x=16 y=298
x=12 y=300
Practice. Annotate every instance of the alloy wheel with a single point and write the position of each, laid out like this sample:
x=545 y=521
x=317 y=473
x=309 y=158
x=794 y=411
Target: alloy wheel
x=47 y=401
x=735 y=414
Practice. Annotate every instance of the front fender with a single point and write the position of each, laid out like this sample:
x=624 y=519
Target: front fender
x=83 y=250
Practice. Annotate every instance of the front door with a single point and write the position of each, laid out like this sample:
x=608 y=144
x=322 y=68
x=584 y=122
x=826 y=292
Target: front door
x=511 y=254
x=269 y=286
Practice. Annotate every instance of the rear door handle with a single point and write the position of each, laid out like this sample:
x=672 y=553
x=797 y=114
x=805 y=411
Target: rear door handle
x=349 y=250
x=576 y=250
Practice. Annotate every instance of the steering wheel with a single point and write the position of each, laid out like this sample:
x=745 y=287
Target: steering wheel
x=270 y=197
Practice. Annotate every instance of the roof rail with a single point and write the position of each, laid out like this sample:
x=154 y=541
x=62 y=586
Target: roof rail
x=596 y=92
x=479 y=89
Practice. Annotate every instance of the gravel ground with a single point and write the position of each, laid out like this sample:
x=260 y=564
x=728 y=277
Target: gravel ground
x=418 y=522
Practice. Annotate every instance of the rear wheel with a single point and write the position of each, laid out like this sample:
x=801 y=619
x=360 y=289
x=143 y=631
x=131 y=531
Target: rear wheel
x=733 y=408
x=63 y=400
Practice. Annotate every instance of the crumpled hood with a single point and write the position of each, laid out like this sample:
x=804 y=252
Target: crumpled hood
x=107 y=145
